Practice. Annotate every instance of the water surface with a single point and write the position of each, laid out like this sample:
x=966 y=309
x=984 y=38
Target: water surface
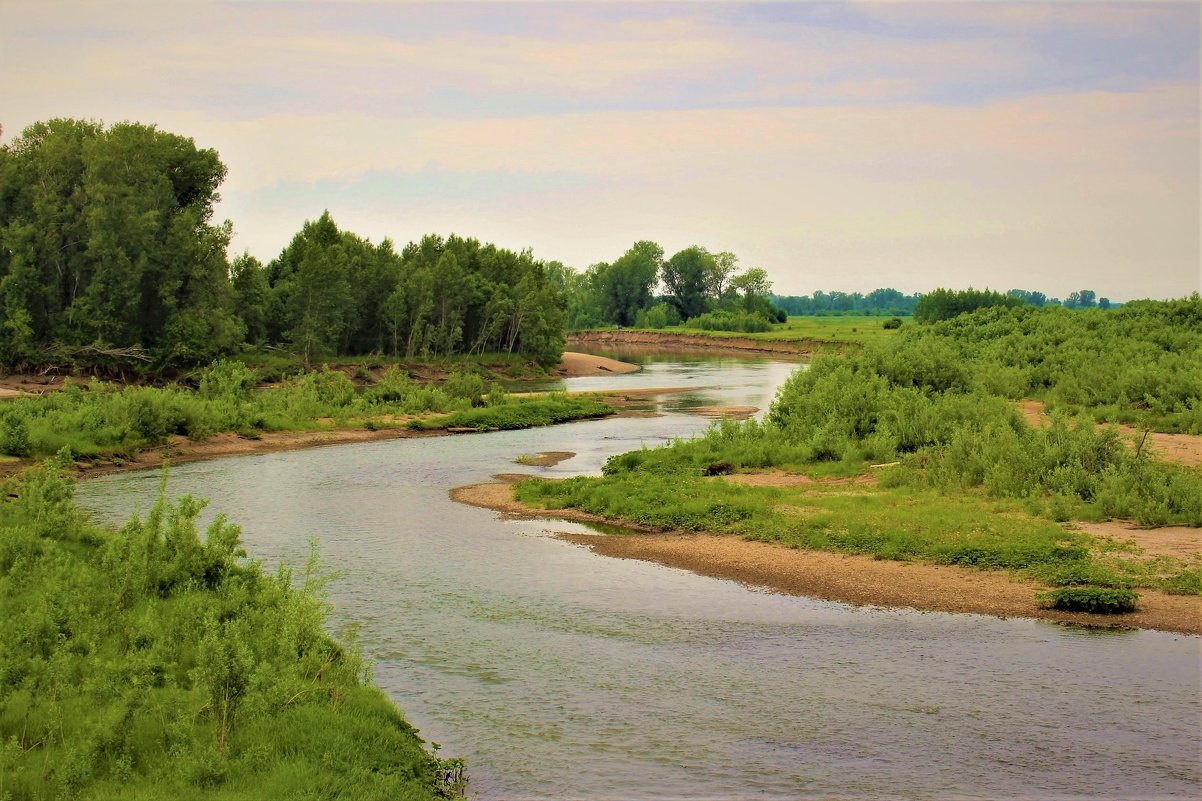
x=561 y=674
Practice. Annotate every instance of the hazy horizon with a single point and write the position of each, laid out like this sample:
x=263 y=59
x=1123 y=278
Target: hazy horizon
x=1051 y=147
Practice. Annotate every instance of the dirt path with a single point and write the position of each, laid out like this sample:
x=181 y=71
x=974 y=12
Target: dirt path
x=1183 y=449
x=839 y=577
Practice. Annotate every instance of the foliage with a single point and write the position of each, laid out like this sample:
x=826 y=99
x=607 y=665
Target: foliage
x=661 y=315
x=153 y=662
x=108 y=257
x=968 y=480
x=331 y=291
x=687 y=277
x=103 y=419
x=106 y=246
x=526 y=413
x=944 y=304
x=1097 y=600
x=741 y=321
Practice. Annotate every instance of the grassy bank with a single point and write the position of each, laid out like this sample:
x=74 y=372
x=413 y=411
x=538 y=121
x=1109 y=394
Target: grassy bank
x=98 y=420
x=959 y=477
x=832 y=331
x=153 y=662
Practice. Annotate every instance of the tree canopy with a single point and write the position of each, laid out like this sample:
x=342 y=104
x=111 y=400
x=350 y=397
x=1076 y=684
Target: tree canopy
x=106 y=243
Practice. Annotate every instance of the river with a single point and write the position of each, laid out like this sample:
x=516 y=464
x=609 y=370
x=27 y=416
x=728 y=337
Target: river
x=560 y=674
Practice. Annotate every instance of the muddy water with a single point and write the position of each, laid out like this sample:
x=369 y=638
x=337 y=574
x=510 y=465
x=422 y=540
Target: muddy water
x=561 y=674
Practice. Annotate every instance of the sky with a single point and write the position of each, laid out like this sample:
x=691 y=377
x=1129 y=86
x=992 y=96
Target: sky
x=839 y=146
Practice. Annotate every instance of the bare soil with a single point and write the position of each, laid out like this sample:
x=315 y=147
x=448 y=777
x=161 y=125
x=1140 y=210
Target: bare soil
x=1180 y=541
x=839 y=577
x=726 y=412
x=179 y=450
x=1183 y=449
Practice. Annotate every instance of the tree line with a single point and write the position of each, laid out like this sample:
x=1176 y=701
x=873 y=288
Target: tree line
x=108 y=254
x=888 y=301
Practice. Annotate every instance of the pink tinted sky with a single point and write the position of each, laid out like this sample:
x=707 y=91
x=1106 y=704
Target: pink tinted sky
x=839 y=146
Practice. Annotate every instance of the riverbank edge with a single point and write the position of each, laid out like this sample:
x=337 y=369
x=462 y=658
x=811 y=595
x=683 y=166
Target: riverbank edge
x=846 y=578
x=795 y=348
x=181 y=450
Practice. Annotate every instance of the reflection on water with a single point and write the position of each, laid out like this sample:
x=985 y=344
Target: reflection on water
x=562 y=674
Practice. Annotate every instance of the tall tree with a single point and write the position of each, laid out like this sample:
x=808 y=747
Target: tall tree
x=687 y=277
x=105 y=239
x=628 y=285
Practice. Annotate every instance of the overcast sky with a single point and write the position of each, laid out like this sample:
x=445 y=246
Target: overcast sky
x=838 y=146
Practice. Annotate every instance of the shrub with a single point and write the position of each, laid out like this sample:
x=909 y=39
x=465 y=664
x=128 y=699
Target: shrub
x=742 y=322
x=465 y=386
x=1098 y=600
x=892 y=324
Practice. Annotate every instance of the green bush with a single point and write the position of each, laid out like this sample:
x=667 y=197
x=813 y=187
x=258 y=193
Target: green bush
x=743 y=322
x=1098 y=600
x=158 y=662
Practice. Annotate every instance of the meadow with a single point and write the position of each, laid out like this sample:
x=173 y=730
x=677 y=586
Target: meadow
x=833 y=330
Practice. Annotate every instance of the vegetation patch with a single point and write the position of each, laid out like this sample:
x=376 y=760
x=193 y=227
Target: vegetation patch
x=98 y=419
x=523 y=413
x=155 y=662
x=1097 y=600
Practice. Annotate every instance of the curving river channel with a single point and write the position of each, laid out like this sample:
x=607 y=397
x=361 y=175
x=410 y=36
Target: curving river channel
x=561 y=674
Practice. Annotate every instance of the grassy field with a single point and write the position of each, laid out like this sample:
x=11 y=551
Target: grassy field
x=859 y=330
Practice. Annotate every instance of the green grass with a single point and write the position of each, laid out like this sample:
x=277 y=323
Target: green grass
x=899 y=523
x=835 y=331
x=155 y=662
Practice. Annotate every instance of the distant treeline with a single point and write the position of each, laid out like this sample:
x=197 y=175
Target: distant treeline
x=108 y=256
x=885 y=302
x=699 y=288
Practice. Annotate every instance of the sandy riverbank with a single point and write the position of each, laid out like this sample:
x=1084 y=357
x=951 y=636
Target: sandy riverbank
x=578 y=365
x=839 y=577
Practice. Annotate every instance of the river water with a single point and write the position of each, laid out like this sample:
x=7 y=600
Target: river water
x=560 y=674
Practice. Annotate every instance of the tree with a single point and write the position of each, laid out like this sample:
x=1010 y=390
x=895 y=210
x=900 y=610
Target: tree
x=687 y=277
x=252 y=296
x=755 y=289
x=627 y=286
x=105 y=239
